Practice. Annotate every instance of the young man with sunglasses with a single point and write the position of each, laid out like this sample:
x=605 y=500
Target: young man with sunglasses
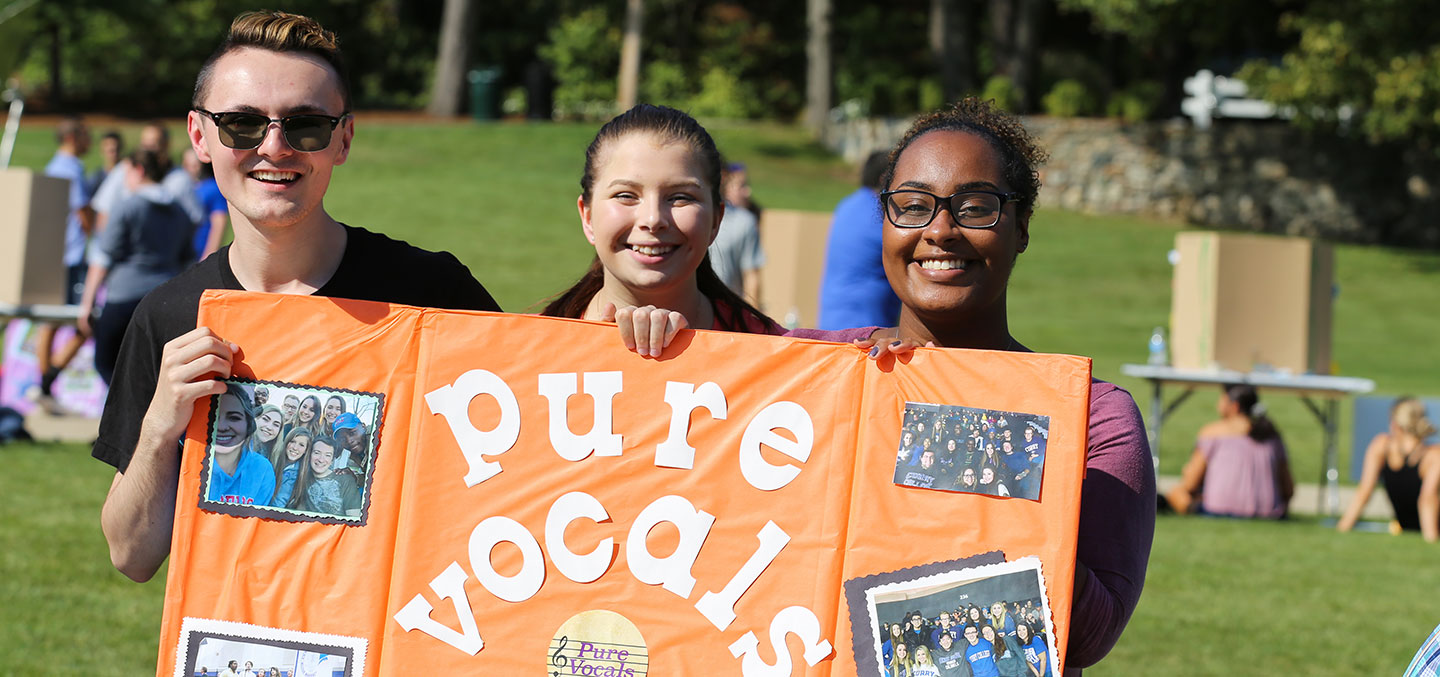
x=272 y=114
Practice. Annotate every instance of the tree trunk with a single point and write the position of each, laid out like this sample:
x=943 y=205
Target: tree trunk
x=447 y=91
x=630 y=55
x=1002 y=37
x=57 y=91
x=1029 y=18
x=817 y=55
x=952 y=43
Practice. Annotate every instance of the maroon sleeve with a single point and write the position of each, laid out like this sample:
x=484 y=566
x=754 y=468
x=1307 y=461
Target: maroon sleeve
x=1117 y=524
x=834 y=336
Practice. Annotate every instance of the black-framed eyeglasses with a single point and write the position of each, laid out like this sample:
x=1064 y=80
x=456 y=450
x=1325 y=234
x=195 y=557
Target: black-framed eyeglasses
x=970 y=208
x=307 y=132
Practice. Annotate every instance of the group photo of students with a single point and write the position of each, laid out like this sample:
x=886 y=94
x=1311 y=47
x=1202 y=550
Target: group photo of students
x=296 y=449
x=1005 y=638
x=977 y=451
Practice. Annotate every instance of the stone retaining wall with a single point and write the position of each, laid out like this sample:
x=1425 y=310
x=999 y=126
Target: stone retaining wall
x=1259 y=176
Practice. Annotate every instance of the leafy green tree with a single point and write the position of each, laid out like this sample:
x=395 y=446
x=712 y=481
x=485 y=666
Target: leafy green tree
x=584 y=53
x=1373 y=63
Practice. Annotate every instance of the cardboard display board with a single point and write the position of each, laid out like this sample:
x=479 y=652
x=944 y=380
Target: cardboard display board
x=32 y=237
x=528 y=497
x=1251 y=302
x=794 y=244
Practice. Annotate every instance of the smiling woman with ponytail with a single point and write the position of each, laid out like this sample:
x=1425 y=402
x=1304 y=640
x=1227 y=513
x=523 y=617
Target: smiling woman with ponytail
x=1239 y=468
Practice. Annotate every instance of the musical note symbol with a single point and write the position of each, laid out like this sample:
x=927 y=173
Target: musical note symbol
x=558 y=659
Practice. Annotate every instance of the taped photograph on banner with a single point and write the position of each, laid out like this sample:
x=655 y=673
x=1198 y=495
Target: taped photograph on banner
x=970 y=450
x=215 y=647
x=978 y=615
x=291 y=452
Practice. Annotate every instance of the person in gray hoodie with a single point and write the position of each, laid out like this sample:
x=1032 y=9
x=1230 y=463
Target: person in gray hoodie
x=145 y=243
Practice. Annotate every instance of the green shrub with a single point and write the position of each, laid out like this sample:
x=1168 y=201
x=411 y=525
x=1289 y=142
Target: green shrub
x=1069 y=99
x=1001 y=90
x=1135 y=103
x=665 y=82
x=584 y=53
x=515 y=101
x=931 y=95
x=723 y=95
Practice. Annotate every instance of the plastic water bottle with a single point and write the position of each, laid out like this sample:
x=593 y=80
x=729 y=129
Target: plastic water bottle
x=1158 y=356
x=792 y=318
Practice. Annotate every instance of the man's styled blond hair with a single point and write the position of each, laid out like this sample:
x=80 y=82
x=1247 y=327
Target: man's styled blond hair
x=277 y=32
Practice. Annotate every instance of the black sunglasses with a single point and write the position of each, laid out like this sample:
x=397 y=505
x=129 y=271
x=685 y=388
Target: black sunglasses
x=306 y=133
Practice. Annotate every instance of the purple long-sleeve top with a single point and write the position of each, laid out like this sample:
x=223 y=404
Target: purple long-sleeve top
x=1117 y=515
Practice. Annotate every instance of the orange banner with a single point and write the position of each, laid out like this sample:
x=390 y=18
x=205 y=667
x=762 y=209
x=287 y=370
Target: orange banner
x=477 y=493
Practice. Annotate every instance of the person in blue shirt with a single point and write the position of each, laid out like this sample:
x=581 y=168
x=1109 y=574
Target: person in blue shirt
x=237 y=475
x=978 y=653
x=854 y=291
x=74 y=142
x=215 y=219
x=1037 y=655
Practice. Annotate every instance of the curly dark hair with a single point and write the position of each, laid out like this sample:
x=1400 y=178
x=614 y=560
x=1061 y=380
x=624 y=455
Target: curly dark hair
x=1020 y=155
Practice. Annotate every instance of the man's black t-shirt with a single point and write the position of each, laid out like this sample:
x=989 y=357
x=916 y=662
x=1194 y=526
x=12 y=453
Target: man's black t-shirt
x=373 y=268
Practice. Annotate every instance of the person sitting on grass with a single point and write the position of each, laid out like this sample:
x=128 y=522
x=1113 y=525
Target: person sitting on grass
x=1239 y=467
x=1410 y=469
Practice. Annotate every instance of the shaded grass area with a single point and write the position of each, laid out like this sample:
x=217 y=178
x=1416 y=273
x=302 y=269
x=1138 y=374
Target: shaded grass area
x=1223 y=597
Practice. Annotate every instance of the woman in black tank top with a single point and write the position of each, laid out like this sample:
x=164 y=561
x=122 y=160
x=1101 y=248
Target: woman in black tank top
x=1409 y=469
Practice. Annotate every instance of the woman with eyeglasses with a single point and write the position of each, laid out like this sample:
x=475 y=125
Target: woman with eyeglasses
x=650 y=204
x=959 y=191
x=958 y=196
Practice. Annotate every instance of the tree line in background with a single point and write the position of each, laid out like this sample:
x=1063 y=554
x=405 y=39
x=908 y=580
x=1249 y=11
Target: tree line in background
x=1372 y=66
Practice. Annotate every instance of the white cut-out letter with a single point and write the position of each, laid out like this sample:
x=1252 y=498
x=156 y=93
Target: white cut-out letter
x=449 y=584
x=720 y=607
x=453 y=402
x=567 y=509
x=683 y=398
x=521 y=586
x=602 y=386
x=795 y=620
x=761 y=430
x=672 y=572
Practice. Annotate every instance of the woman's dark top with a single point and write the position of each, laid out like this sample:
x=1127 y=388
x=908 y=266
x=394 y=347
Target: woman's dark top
x=1403 y=488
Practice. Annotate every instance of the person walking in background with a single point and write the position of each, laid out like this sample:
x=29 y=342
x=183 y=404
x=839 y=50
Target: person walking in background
x=112 y=149
x=853 y=289
x=1239 y=467
x=735 y=254
x=215 y=212
x=1410 y=469
x=74 y=142
x=146 y=243
x=108 y=195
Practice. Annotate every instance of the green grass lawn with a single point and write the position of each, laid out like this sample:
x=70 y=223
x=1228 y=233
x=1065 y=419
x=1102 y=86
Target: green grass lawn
x=1222 y=598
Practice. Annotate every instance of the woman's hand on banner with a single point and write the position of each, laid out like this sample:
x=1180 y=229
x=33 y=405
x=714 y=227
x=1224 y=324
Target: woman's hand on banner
x=877 y=348
x=647 y=330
